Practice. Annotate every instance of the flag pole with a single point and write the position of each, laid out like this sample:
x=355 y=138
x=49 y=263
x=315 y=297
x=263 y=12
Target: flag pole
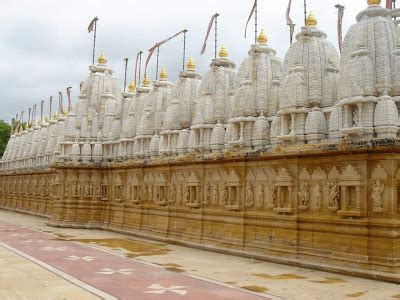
x=60 y=103
x=69 y=98
x=184 y=50
x=29 y=116
x=340 y=9
x=41 y=111
x=216 y=36
x=158 y=61
x=94 y=41
x=51 y=104
x=126 y=70
x=256 y=21
x=34 y=114
x=305 y=12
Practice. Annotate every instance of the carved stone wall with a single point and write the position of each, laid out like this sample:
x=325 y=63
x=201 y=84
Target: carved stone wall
x=340 y=209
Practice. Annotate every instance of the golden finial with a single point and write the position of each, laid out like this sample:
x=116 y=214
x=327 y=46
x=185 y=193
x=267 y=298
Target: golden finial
x=163 y=75
x=223 y=53
x=262 y=38
x=47 y=119
x=311 y=20
x=132 y=86
x=146 y=81
x=102 y=59
x=374 y=2
x=55 y=116
x=191 y=65
x=65 y=112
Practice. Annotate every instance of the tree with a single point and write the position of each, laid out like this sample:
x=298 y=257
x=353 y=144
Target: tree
x=4 y=136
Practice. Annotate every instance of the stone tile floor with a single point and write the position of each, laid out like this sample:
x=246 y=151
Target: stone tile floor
x=109 y=264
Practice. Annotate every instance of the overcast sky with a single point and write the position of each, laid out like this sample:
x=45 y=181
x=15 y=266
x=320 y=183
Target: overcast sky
x=45 y=46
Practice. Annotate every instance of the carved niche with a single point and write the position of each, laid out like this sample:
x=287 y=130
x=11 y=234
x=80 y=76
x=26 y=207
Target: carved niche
x=135 y=188
x=193 y=191
x=118 y=188
x=351 y=192
x=159 y=189
x=260 y=188
x=176 y=188
x=234 y=191
x=284 y=191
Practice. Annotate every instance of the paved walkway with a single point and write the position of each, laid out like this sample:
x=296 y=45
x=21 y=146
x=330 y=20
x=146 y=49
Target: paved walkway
x=106 y=274
x=177 y=264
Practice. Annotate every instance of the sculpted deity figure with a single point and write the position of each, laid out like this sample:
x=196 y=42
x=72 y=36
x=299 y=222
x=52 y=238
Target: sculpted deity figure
x=271 y=196
x=98 y=191
x=260 y=196
x=249 y=196
x=334 y=196
x=215 y=194
x=376 y=196
x=66 y=189
x=224 y=200
x=172 y=193
x=304 y=195
x=157 y=194
x=207 y=193
x=318 y=196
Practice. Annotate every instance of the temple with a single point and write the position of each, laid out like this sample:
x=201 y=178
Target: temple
x=294 y=160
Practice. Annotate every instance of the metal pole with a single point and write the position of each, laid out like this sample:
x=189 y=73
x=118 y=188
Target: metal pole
x=140 y=64
x=126 y=69
x=305 y=12
x=60 y=103
x=216 y=36
x=41 y=111
x=158 y=58
x=69 y=98
x=94 y=41
x=256 y=21
x=184 y=50
x=51 y=104
x=29 y=116
x=34 y=114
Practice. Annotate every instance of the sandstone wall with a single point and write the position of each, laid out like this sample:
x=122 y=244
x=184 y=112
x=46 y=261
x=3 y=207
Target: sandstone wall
x=340 y=208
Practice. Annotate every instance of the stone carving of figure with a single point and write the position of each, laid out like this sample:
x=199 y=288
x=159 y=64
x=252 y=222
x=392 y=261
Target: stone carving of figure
x=66 y=190
x=272 y=196
x=334 y=195
x=207 y=193
x=224 y=200
x=376 y=196
x=179 y=194
x=260 y=196
x=187 y=194
x=172 y=193
x=144 y=191
x=304 y=195
x=99 y=193
x=318 y=196
x=157 y=194
x=215 y=194
x=249 y=196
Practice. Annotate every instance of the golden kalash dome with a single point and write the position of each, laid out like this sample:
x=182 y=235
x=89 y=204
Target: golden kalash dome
x=374 y=2
x=163 y=75
x=262 y=38
x=47 y=119
x=191 y=65
x=102 y=59
x=132 y=86
x=55 y=116
x=65 y=112
x=311 y=20
x=146 y=81
x=223 y=53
